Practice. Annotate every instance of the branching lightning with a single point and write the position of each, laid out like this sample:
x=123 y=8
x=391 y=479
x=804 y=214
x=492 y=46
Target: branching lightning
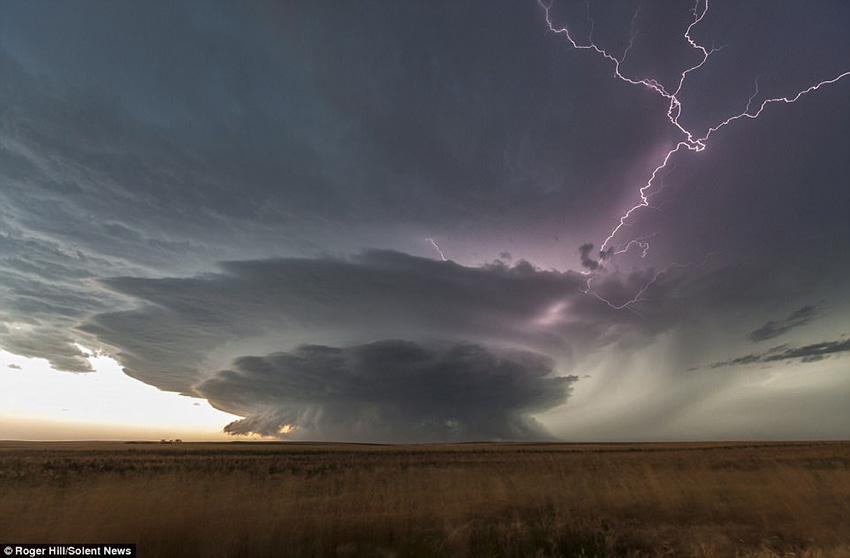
x=639 y=296
x=691 y=141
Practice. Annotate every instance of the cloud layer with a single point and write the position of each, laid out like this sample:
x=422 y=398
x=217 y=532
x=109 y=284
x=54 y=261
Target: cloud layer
x=812 y=352
x=287 y=302
x=390 y=390
x=773 y=328
x=182 y=327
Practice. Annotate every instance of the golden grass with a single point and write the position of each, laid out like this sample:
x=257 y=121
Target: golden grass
x=454 y=500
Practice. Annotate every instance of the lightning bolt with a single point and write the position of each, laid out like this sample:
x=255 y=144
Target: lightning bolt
x=633 y=33
x=437 y=248
x=690 y=140
x=639 y=296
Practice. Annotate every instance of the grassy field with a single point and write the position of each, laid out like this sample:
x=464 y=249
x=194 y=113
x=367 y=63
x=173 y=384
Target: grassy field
x=274 y=499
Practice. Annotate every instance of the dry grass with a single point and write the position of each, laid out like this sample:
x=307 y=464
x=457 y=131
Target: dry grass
x=461 y=500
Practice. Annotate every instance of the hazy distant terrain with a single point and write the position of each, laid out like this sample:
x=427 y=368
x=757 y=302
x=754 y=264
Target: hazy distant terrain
x=276 y=499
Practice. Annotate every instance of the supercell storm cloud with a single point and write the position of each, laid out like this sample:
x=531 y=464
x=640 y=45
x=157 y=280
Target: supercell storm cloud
x=428 y=221
x=390 y=390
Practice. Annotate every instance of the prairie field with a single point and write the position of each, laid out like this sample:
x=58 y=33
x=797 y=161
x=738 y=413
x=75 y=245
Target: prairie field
x=493 y=499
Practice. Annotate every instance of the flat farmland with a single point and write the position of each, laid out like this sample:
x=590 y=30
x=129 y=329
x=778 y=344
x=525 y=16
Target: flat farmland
x=493 y=499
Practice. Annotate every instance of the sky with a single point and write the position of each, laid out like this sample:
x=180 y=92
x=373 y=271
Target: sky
x=425 y=221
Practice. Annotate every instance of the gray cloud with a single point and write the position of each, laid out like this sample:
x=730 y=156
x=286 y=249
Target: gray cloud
x=586 y=261
x=390 y=390
x=118 y=159
x=813 y=352
x=807 y=353
x=773 y=328
x=376 y=295
x=181 y=325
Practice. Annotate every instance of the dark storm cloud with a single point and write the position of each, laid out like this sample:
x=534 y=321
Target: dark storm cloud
x=91 y=187
x=375 y=295
x=773 y=328
x=807 y=353
x=184 y=329
x=156 y=140
x=586 y=261
x=179 y=323
x=390 y=390
x=295 y=107
x=75 y=205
